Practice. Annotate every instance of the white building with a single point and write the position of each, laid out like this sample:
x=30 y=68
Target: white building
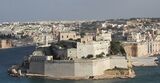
x=92 y=48
x=103 y=35
x=134 y=37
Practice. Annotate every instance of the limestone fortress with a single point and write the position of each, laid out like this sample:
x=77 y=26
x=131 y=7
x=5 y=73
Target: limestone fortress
x=75 y=57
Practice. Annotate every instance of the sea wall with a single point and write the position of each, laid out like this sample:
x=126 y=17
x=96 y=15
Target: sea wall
x=59 y=68
x=75 y=68
x=36 y=67
x=119 y=62
x=143 y=61
x=91 y=67
x=78 y=68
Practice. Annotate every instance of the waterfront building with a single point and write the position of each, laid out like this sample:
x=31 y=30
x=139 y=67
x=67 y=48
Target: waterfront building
x=136 y=49
x=5 y=43
x=148 y=45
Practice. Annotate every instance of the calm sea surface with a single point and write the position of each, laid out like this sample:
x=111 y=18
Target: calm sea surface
x=12 y=56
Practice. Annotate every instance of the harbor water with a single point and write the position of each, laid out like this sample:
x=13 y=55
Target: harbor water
x=12 y=56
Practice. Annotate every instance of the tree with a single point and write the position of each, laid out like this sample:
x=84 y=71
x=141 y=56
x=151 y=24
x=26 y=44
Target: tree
x=107 y=55
x=116 y=47
x=89 y=56
x=102 y=53
x=83 y=57
x=82 y=33
x=99 y=56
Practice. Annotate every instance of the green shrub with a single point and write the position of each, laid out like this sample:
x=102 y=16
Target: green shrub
x=89 y=56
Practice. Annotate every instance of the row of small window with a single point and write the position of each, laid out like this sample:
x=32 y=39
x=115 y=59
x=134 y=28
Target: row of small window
x=68 y=36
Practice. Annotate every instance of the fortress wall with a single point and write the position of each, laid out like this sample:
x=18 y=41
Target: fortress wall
x=36 y=68
x=59 y=69
x=76 y=68
x=84 y=68
x=119 y=62
x=100 y=66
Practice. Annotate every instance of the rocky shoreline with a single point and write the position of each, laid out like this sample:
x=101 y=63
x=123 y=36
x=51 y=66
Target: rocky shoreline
x=100 y=77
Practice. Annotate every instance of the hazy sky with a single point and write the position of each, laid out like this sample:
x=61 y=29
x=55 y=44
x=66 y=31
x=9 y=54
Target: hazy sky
x=31 y=10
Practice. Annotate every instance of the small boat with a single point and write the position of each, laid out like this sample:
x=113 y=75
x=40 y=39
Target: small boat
x=157 y=61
